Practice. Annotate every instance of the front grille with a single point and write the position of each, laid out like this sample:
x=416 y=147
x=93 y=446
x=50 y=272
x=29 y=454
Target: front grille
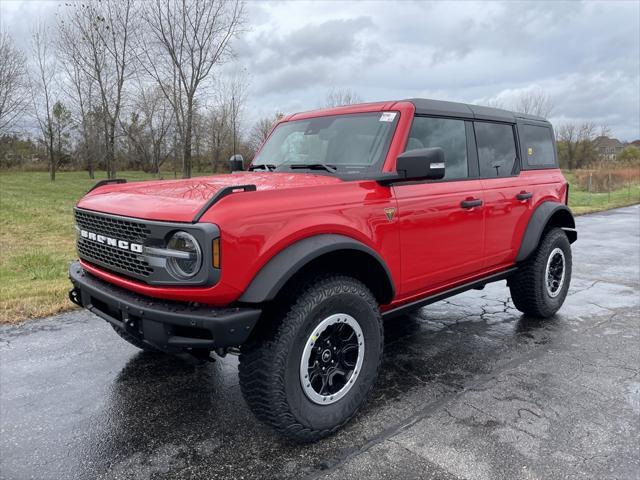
x=107 y=256
x=113 y=257
x=112 y=227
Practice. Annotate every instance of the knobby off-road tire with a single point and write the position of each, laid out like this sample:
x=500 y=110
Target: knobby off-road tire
x=272 y=364
x=539 y=287
x=133 y=340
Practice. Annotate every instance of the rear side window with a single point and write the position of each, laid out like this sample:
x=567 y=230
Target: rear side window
x=496 y=149
x=448 y=134
x=538 y=146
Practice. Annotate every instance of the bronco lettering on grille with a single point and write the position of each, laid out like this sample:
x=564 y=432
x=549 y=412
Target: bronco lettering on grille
x=112 y=242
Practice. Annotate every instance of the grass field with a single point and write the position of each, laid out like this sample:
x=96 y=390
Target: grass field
x=582 y=202
x=37 y=236
x=37 y=240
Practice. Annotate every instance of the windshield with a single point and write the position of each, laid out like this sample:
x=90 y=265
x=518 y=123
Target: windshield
x=342 y=143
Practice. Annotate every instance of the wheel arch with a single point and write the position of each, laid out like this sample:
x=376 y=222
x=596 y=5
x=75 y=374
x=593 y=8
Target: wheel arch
x=326 y=252
x=547 y=215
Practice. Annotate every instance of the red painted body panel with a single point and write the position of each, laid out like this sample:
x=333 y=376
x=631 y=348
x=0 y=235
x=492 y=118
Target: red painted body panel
x=506 y=217
x=430 y=244
x=440 y=241
x=180 y=200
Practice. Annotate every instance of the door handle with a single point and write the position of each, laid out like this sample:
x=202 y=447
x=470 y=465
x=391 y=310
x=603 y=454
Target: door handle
x=524 y=195
x=476 y=202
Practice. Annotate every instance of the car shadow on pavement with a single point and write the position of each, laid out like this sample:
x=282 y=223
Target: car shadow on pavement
x=160 y=400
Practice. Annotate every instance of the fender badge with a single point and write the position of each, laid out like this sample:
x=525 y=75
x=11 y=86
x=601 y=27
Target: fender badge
x=390 y=212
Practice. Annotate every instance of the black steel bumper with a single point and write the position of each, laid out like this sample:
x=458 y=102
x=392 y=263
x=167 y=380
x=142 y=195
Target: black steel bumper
x=170 y=326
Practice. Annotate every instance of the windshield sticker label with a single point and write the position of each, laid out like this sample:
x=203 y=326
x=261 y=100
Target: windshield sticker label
x=388 y=116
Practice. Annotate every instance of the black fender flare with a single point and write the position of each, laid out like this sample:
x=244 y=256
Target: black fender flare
x=282 y=266
x=548 y=211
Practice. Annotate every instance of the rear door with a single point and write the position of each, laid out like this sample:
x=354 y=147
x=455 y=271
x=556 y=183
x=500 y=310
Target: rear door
x=507 y=194
x=441 y=222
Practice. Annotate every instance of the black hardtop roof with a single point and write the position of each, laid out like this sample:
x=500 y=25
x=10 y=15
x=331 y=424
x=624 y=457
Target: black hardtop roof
x=425 y=106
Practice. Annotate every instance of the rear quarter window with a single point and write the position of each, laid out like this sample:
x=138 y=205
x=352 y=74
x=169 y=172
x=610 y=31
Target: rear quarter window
x=538 y=147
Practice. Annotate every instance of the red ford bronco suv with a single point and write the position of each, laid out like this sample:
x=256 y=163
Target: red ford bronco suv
x=346 y=216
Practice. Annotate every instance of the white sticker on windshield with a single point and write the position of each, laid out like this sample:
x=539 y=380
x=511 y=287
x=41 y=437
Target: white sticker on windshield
x=388 y=116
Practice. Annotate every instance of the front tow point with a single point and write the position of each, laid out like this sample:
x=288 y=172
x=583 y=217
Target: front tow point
x=74 y=296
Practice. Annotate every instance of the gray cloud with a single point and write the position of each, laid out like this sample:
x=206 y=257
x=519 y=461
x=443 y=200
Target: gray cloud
x=585 y=55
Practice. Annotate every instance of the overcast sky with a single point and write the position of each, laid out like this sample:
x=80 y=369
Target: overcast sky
x=585 y=55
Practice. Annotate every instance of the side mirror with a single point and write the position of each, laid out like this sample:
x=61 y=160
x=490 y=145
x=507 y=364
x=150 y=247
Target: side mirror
x=421 y=164
x=236 y=163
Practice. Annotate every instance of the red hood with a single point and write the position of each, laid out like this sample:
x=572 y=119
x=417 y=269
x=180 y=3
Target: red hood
x=180 y=200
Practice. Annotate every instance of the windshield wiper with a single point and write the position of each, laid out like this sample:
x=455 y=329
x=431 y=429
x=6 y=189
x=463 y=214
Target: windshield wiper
x=262 y=166
x=314 y=166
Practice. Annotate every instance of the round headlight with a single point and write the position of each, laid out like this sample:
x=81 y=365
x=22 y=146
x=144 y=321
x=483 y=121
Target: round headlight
x=188 y=257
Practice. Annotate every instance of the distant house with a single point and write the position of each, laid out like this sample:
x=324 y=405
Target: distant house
x=636 y=143
x=608 y=148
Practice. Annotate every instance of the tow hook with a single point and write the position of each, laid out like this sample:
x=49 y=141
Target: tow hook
x=224 y=351
x=74 y=296
x=197 y=358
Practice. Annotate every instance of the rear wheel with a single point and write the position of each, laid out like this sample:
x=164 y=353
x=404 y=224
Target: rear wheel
x=540 y=286
x=308 y=374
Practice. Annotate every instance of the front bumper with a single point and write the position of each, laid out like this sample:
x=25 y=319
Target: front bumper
x=167 y=325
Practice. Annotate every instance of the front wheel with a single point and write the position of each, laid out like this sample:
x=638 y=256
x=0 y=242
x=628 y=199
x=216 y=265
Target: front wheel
x=540 y=286
x=307 y=374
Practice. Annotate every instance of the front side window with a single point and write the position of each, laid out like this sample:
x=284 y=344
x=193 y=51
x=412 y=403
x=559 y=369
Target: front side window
x=496 y=149
x=346 y=143
x=448 y=134
x=538 y=146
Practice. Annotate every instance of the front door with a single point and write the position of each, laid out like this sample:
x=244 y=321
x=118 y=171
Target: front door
x=441 y=223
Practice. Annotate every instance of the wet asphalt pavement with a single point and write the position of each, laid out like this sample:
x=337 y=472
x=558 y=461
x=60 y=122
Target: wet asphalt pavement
x=468 y=389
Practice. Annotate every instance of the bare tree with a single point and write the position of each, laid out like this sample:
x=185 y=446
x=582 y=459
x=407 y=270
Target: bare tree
x=337 y=97
x=494 y=103
x=41 y=87
x=150 y=126
x=219 y=132
x=261 y=130
x=13 y=83
x=187 y=38
x=98 y=32
x=81 y=90
x=235 y=93
x=62 y=123
x=575 y=147
x=605 y=131
x=534 y=102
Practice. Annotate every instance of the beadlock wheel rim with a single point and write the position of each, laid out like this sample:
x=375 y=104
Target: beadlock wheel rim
x=332 y=359
x=555 y=272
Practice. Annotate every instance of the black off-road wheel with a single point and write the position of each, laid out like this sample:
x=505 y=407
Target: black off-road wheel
x=135 y=341
x=540 y=286
x=307 y=373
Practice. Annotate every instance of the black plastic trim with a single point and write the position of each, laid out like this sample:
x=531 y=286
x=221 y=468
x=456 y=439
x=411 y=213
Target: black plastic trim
x=219 y=195
x=161 y=323
x=108 y=181
x=279 y=269
x=479 y=283
x=537 y=224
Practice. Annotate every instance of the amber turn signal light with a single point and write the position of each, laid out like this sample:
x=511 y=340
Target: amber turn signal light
x=215 y=249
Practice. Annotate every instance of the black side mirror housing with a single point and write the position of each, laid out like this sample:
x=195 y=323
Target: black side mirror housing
x=236 y=163
x=421 y=164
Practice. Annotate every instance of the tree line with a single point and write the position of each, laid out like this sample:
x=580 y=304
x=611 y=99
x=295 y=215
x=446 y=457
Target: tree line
x=125 y=84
